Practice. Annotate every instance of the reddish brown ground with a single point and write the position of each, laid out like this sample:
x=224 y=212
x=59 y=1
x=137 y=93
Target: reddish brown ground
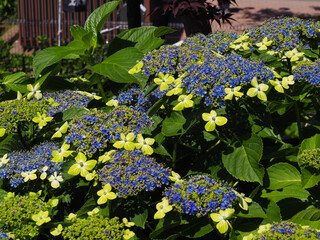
x=248 y=13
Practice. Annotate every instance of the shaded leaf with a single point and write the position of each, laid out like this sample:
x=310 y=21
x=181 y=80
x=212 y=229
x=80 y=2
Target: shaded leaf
x=197 y=229
x=293 y=191
x=254 y=211
x=172 y=124
x=140 y=218
x=242 y=160
x=9 y=144
x=282 y=175
x=309 y=179
x=74 y=112
x=144 y=38
x=312 y=214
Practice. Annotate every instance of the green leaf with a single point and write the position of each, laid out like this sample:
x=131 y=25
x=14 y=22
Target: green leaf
x=282 y=175
x=116 y=67
x=312 y=224
x=310 y=143
x=16 y=81
x=98 y=17
x=87 y=206
x=166 y=226
x=144 y=38
x=265 y=132
x=50 y=56
x=162 y=151
x=312 y=214
x=19 y=77
x=242 y=160
x=56 y=83
x=265 y=57
x=273 y=213
x=3 y=193
x=293 y=191
x=156 y=106
x=208 y=136
x=74 y=112
x=309 y=53
x=172 y=124
x=9 y=144
x=309 y=179
x=284 y=151
x=197 y=229
x=140 y=218
x=254 y=211
x=78 y=32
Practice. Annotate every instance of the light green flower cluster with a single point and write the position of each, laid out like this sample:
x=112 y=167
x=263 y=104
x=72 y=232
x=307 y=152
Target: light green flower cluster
x=96 y=227
x=14 y=111
x=310 y=157
x=23 y=216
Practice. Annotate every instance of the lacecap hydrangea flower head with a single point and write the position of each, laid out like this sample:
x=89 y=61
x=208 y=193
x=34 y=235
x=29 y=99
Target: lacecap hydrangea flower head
x=286 y=33
x=218 y=41
x=309 y=72
x=64 y=100
x=212 y=78
x=135 y=98
x=130 y=172
x=23 y=216
x=310 y=158
x=284 y=231
x=94 y=130
x=15 y=112
x=162 y=60
x=169 y=58
x=96 y=227
x=22 y=166
x=200 y=195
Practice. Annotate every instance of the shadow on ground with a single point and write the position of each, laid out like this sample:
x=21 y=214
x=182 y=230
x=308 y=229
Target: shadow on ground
x=266 y=13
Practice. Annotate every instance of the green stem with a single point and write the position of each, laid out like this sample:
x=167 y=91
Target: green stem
x=174 y=155
x=214 y=145
x=23 y=142
x=103 y=95
x=297 y=110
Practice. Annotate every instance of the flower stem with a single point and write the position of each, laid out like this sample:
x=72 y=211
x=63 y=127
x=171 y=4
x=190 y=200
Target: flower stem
x=297 y=110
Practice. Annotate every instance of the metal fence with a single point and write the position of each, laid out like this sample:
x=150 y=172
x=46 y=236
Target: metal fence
x=40 y=18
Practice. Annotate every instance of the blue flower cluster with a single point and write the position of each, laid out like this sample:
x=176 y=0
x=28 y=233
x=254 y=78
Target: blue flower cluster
x=209 y=78
x=218 y=41
x=25 y=161
x=286 y=33
x=94 y=130
x=200 y=195
x=14 y=112
x=3 y=236
x=131 y=172
x=170 y=58
x=162 y=60
x=66 y=100
x=285 y=231
x=308 y=71
x=135 y=97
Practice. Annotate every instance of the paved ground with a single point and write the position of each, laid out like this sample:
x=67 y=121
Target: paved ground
x=249 y=13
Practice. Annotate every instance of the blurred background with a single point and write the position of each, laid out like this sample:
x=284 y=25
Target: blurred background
x=29 y=25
